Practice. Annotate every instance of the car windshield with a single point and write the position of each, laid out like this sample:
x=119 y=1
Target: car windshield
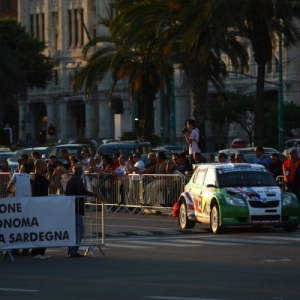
x=249 y=179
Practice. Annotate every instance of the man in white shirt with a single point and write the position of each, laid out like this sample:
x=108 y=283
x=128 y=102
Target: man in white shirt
x=192 y=136
x=121 y=172
x=135 y=170
x=20 y=186
x=20 y=182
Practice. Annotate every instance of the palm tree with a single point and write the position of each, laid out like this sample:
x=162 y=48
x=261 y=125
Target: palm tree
x=261 y=21
x=192 y=33
x=146 y=70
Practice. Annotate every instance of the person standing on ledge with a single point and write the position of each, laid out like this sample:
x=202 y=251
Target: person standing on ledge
x=192 y=136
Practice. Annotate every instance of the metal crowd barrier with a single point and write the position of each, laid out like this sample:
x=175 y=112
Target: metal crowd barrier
x=137 y=192
x=92 y=215
x=130 y=193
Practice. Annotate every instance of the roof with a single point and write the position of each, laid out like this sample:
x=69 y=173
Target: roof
x=235 y=166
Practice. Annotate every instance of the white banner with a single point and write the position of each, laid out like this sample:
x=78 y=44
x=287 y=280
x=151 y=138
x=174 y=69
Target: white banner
x=31 y=222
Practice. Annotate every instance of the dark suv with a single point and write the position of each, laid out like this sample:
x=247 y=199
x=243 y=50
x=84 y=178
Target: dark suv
x=126 y=148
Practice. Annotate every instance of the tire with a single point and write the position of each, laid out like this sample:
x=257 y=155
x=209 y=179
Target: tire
x=215 y=221
x=184 y=221
x=291 y=228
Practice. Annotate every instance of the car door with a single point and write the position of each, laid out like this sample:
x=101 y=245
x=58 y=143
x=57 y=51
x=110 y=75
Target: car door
x=195 y=188
x=208 y=190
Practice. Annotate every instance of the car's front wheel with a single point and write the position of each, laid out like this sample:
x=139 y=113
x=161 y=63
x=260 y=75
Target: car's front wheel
x=214 y=221
x=184 y=221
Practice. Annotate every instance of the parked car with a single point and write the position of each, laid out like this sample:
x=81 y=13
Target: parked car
x=4 y=149
x=92 y=143
x=126 y=148
x=224 y=195
x=292 y=143
x=170 y=148
x=5 y=155
x=26 y=144
x=249 y=157
x=73 y=149
x=250 y=150
x=13 y=161
x=240 y=143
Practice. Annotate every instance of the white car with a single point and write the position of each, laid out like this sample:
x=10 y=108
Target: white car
x=13 y=161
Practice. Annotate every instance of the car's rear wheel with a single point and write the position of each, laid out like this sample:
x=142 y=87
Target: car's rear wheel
x=184 y=221
x=290 y=228
x=214 y=221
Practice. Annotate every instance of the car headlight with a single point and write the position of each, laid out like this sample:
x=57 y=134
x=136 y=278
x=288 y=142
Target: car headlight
x=235 y=201
x=287 y=200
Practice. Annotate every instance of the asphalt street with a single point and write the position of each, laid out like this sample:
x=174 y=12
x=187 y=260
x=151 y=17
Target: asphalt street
x=148 y=257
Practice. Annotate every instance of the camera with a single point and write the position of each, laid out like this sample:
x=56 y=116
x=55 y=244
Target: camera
x=184 y=130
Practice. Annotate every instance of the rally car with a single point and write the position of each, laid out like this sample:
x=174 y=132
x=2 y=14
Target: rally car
x=225 y=195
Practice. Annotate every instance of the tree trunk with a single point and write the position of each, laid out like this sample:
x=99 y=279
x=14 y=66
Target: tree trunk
x=259 y=106
x=199 y=88
x=149 y=117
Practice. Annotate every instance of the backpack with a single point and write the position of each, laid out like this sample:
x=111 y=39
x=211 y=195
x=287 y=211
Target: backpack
x=201 y=141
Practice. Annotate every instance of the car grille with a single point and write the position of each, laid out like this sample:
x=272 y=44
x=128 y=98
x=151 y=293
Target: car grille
x=270 y=219
x=260 y=204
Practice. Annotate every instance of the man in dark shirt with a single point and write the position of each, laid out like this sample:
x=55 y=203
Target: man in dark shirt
x=276 y=165
x=75 y=186
x=39 y=187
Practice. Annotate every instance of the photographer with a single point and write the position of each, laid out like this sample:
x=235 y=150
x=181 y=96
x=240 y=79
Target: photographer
x=192 y=136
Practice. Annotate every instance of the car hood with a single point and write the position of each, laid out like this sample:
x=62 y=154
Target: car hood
x=255 y=193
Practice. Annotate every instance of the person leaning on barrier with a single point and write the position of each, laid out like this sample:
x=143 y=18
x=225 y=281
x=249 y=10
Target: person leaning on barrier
x=222 y=158
x=154 y=187
x=39 y=187
x=210 y=158
x=291 y=172
x=239 y=157
x=76 y=187
x=151 y=160
x=275 y=167
x=198 y=158
x=232 y=158
x=176 y=165
x=121 y=173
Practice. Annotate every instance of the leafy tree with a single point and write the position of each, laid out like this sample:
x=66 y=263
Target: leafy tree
x=233 y=108
x=261 y=21
x=194 y=37
x=11 y=80
x=27 y=63
x=291 y=115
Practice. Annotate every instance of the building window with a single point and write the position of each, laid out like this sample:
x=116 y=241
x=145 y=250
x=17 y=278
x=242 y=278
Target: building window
x=43 y=27
x=76 y=28
x=37 y=26
x=81 y=27
x=31 y=26
x=70 y=27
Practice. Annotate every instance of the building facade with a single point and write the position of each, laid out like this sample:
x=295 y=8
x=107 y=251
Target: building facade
x=65 y=26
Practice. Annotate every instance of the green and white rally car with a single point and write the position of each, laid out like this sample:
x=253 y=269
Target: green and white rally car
x=225 y=195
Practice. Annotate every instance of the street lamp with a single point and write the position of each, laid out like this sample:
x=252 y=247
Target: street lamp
x=280 y=98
